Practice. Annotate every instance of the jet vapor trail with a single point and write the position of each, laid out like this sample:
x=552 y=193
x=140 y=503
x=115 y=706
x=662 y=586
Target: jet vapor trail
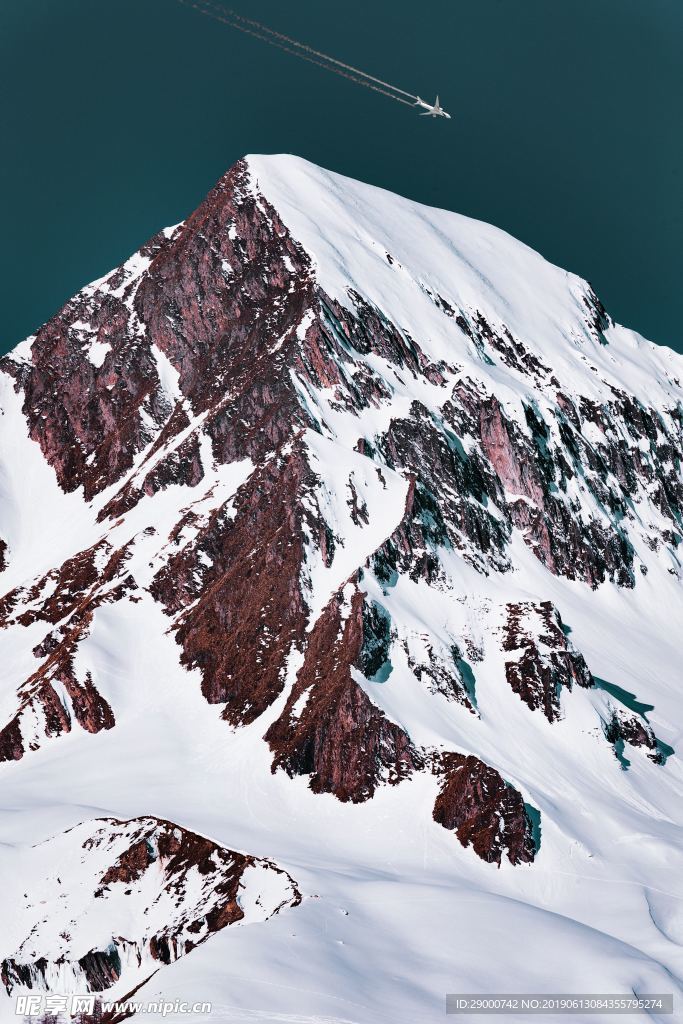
x=297 y=49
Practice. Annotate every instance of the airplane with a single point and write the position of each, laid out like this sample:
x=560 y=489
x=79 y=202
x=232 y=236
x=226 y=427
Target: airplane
x=432 y=110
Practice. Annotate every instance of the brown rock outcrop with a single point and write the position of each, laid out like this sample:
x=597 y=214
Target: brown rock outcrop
x=339 y=737
x=545 y=660
x=483 y=810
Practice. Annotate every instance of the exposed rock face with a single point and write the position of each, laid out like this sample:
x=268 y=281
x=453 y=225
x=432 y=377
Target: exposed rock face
x=58 y=594
x=330 y=729
x=447 y=503
x=527 y=472
x=54 y=696
x=240 y=582
x=11 y=741
x=483 y=810
x=624 y=727
x=102 y=373
x=545 y=659
x=185 y=888
x=51 y=699
x=193 y=303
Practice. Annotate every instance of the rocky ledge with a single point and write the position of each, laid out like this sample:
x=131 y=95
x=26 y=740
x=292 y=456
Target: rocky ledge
x=171 y=887
x=484 y=810
x=542 y=658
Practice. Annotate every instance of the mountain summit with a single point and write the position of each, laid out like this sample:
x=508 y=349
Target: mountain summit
x=340 y=594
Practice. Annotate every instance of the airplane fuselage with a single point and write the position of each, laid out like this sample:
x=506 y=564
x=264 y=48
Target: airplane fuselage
x=432 y=109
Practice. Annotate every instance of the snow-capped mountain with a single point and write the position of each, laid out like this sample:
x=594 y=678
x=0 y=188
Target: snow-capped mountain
x=340 y=584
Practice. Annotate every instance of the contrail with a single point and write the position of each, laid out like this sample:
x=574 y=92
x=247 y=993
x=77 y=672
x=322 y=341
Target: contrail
x=297 y=49
x=302 y=46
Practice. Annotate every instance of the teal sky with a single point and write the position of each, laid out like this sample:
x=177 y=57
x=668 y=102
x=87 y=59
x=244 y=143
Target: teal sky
x=117 y=117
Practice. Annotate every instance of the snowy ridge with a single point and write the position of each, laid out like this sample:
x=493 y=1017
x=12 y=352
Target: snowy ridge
x=406 y=259
x=346 y=532
x=131 y=895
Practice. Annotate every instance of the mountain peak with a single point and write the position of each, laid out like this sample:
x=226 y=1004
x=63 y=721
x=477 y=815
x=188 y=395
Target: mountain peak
x=357 y=548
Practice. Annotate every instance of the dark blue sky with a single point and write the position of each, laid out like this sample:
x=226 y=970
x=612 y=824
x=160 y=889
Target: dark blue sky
x=118 y=116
